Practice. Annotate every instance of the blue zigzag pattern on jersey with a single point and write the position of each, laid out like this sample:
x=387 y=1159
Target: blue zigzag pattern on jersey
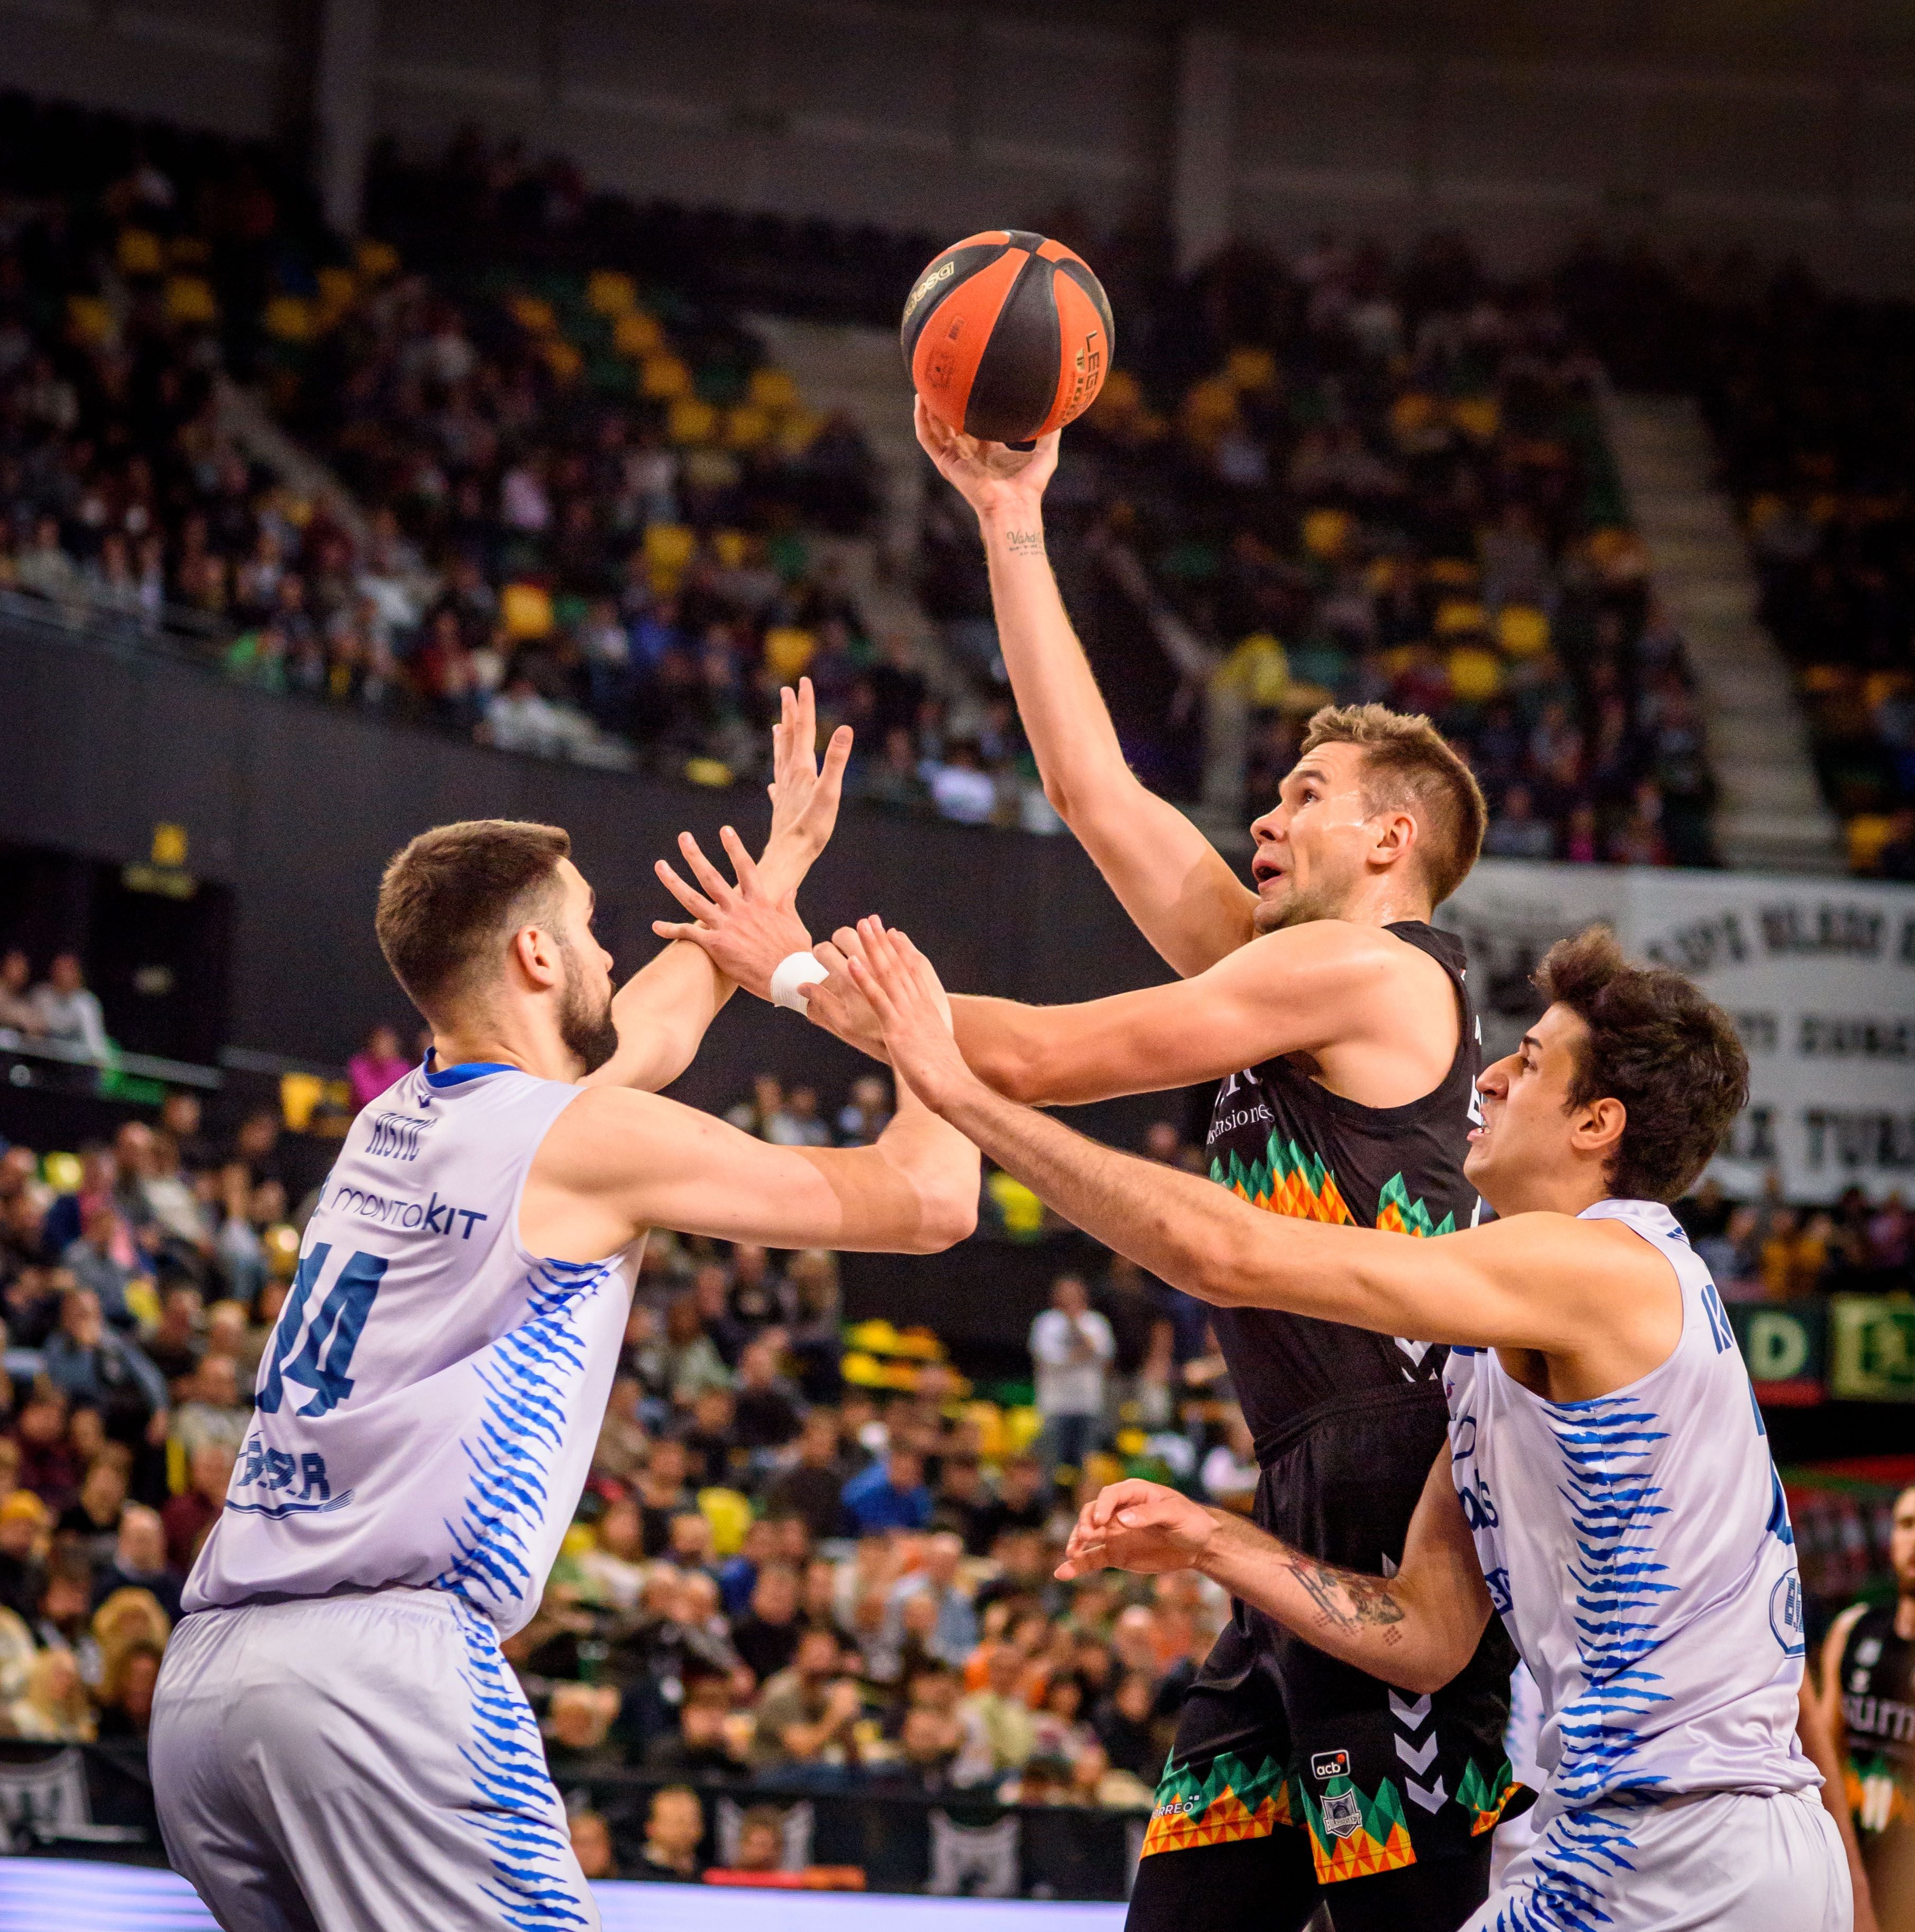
x=1570 y=1864
x=1619 y=1585
x=533 y=1880
x=529 y=1384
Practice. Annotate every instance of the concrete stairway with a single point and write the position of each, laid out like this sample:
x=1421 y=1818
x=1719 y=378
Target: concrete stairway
x=1771 y=815
x=859 y=372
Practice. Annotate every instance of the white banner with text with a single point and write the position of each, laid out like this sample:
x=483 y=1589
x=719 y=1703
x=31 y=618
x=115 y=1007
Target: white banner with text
x=1819 y=974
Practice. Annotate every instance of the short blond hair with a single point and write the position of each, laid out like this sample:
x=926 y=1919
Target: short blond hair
x=1408 y=764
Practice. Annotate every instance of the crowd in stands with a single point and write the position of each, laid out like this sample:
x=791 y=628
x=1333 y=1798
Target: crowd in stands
x=586 y=521
x=1811 y=396
x=1768 y=1249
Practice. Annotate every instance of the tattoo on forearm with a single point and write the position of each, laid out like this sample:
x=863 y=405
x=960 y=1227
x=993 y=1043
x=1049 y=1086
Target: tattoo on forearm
x=1344 y=1601
x=1025 y=543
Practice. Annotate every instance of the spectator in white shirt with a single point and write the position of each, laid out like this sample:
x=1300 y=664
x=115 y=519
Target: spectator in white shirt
x=1072 y=1348
x=66 y=1010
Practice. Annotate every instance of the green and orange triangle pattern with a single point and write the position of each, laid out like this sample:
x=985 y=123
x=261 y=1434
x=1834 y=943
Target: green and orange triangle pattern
x=1379 y=1843
x=1286 y=1181
x=1396 y=1211
x=1485 y=1799
x=1230 y=1801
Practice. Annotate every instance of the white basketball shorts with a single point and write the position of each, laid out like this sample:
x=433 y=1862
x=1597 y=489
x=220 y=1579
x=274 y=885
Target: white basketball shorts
x=359 y=1764
x=1726 y=1861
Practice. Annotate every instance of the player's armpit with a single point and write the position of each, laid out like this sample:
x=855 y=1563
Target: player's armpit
x=616 y=1163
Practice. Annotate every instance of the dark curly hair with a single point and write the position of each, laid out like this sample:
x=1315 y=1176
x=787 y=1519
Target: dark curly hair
x=1655 y=1043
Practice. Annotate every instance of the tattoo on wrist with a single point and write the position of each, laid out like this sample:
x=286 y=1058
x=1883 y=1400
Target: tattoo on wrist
x=1025 y=543
x=1344 y=1601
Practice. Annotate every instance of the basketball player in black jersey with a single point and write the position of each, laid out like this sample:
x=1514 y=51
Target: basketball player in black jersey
x=1868 y=1695
x=1337 y=1020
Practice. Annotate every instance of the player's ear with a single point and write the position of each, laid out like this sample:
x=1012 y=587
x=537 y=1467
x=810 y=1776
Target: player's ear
x=534 y=953
x=1596 y=1128
x=1395 y=838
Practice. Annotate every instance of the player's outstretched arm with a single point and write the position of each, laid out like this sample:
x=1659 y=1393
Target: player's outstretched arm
x=1308 y=989
x=1543 y=1281
x=663 y=1010
x=1415 y=1630
x=1178 y=888
x=616 y=1163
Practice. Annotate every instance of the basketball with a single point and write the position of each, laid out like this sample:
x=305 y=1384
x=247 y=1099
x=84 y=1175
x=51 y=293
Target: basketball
x=1007 y=336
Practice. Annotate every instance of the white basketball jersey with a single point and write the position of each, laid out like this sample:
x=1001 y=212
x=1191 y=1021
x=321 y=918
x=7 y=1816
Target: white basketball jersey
x=429 y=1400
x=1637 y=1545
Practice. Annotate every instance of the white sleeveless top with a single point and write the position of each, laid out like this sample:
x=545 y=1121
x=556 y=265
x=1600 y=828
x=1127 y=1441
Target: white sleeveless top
x=429 y=1400
x=1637 y=1545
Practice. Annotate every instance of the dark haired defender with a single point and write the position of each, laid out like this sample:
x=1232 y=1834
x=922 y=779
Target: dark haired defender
x=1335 y=1019
x=338 y=1745
x=1606 y=1486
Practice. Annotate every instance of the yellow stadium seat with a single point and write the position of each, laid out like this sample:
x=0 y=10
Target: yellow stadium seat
x=90 y=319
x=1251 y=369
x=1867 y=833
x=376 y=260
x=774 y=391
x=526 y=609
x=189 y=301
x=290 y=319
x=534 y=314
x=691 y=420
x=747 y=427
x=1523 y=631
x=1478 y=416
x=729 y=1515
x=138 y=252
x=1327 y=532
x=788 y=649
x=1475 y=675
x=637 y=335
x=662 y=377
x=611 y=293
x=1456 y=614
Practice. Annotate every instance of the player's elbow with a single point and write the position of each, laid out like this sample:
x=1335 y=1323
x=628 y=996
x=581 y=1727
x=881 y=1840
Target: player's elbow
x=949 y=1216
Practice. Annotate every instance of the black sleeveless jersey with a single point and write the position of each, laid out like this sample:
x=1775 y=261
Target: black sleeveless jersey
x=1878 y=1711
x=1283 y=1142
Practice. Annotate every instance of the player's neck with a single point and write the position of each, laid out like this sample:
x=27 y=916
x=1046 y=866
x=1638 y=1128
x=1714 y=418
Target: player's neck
x=1539 y=1191
x=1904 y=1618
x=504 y=1039
x=1385 y=900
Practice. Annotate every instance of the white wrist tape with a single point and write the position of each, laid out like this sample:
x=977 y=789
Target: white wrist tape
x=796 y=970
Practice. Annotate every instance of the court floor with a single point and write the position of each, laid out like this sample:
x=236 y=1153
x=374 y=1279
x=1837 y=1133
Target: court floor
x=64 y=1895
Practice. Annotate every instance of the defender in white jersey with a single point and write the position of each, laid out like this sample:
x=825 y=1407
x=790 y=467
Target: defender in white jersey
x=1607 y=1487
x=337 y=1742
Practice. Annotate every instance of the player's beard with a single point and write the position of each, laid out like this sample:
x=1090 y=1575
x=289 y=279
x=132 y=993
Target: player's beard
x=1298 y=907
x=585 y=1024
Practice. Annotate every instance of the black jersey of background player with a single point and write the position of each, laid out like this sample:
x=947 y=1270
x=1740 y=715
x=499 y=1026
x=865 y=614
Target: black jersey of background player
x=1878 y=1708
x=1282 y=1141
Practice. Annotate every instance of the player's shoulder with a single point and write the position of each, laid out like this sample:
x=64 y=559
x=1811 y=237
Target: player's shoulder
x=1342 y=956
x=601 y=1124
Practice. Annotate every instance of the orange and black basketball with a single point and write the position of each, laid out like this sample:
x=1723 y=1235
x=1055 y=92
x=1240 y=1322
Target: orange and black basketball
x=1007 y=336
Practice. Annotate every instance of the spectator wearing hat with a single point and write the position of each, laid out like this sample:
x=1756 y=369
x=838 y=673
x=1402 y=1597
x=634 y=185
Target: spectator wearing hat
x=25 y=1523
